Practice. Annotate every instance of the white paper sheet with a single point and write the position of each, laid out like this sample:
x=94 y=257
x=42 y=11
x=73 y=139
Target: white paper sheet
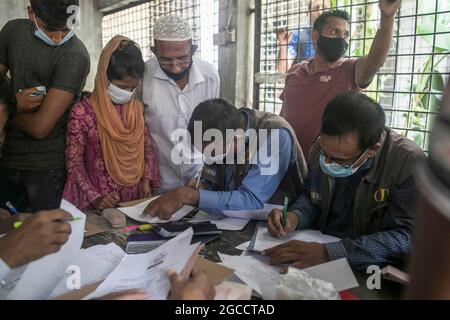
x=251 y=270
x=255 y=272
x=8 y=284
x=243 y=246
x=149 y=271
x=264 y=240
x=337 y=272
x=262 y=214
x=222 y=222
x=95 y=264
x=111 y=253
x=42 y=276
x=135 y=213
x=232 y=291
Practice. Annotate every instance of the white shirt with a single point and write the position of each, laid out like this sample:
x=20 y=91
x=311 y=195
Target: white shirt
x=168 y=108
x=4 y=270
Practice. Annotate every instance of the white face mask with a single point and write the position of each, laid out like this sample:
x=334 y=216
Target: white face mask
x=118 y=95
x=46 y=39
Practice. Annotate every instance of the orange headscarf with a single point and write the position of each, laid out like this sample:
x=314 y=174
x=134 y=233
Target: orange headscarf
x=122 y=142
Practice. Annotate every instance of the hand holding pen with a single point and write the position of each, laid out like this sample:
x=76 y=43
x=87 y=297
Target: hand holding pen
x=43 y=234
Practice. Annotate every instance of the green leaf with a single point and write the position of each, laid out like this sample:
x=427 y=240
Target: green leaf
x=426 y=28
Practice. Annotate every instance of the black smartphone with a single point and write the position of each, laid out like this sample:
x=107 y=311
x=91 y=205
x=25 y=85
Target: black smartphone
x=200 y=229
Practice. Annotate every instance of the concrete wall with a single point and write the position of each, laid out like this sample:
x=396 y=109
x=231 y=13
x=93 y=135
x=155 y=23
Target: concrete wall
x=227 y=54
x=236 y=59
x=90 y=32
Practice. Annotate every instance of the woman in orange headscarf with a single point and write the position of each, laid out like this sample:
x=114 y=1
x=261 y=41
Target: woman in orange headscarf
x=109 y=152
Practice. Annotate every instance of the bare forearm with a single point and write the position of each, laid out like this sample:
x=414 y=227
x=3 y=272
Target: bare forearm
x=282 y=64
x=368 y=66
x=381 y=45
x=32 y=124
x=40 y=123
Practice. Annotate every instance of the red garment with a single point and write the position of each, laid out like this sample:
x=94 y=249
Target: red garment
x=306 y=96
x=88 y=178
x=346 y=295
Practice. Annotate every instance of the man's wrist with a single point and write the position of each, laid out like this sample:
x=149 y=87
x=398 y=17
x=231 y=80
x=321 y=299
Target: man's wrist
x=295 y=219
x=189 y=195
x=8 y=260
x=194 y=294
x=298 y=214
x=386 y=20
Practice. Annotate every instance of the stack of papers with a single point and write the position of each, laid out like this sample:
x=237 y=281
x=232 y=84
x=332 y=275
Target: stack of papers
x=236 y=220
x=250 y=270
x=95 y=264
x=262 y=214
x=135 y=213
x=73 y=268
x=41 y=277
x=256 y=273
x=222 y=222
x=149 y=271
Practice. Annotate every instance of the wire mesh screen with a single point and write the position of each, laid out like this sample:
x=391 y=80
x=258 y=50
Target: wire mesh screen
x=410 y=83
x=137 y=23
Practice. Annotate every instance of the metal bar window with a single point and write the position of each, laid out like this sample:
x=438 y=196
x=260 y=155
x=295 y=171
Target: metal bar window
x=137 y=23
x=410 y=83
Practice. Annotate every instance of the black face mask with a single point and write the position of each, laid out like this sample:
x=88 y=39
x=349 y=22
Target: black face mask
x=181 y=75
x=332 y=48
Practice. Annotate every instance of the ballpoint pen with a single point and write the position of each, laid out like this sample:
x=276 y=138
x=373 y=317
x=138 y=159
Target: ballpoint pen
x=18 y=224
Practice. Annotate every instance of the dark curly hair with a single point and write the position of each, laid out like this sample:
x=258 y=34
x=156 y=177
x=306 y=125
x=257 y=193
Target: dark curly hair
x=323 y=19
x=353 y=112
x=7 y=96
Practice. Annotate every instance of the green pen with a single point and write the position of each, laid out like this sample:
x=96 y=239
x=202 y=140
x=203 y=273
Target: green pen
x=18 y=224
x=286 y=204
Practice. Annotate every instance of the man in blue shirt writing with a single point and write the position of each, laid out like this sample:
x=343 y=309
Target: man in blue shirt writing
x=261 y=162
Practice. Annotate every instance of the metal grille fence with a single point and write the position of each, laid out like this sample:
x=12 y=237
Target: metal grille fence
x=137 y=23
x=410 y=83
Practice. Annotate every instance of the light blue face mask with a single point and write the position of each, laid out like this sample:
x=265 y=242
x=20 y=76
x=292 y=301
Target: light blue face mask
x=337 y=170
x=47 y=40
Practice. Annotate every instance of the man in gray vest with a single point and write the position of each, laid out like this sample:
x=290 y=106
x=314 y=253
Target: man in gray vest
x=252 y=158
x=361 y=189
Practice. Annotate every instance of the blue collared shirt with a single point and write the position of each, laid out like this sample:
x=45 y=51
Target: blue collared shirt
x=301 y=46
x=256 y=189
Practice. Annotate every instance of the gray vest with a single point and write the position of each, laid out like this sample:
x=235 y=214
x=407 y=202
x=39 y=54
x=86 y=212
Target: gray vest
x=293 y=182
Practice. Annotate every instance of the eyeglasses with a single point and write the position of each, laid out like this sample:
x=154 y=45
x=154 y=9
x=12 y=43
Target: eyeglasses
x=339 y=162
x=178 y=62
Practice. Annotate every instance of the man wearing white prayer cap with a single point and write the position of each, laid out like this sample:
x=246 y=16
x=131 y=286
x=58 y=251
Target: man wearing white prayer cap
x=174 y=84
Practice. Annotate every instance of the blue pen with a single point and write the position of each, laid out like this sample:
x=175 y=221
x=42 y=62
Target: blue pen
x=11 y=208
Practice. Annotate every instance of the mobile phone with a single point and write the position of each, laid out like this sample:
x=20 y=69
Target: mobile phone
x=37 y=94
x=42 y=91
x=200 y=229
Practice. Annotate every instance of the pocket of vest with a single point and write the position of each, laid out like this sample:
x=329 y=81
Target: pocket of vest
x=378 y=212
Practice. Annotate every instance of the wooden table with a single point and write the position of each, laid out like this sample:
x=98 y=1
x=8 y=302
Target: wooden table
x=227 y=244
